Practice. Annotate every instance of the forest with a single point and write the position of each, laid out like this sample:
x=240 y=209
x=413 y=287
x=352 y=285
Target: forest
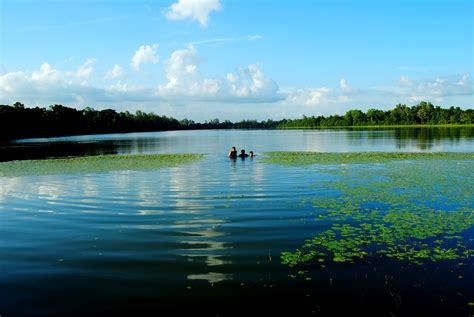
x=424 y=113
x=18 y=121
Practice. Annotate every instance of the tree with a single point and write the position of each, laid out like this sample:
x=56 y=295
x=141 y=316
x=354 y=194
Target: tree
x=424 y=111
x=467 y=116
x=375 y=116
x=355 y=117
x=399 y=114
x=18 y=105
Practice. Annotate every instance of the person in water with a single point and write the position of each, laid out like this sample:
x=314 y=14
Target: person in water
x=232 y=153
x=243 y=154
x=251 y=154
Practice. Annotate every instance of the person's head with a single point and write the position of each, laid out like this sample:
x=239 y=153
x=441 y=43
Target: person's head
x=234 y=149
x=251 y=153
x=242 y=151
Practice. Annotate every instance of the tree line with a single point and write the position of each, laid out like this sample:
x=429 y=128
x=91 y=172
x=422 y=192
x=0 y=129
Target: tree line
x=421 y=114
x=18 y=121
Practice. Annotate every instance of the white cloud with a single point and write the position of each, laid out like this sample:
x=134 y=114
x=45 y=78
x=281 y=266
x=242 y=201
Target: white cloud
x=405 y=81
x=228 y=39
x=316 y=96
x=184 y=84
x=464 y=81
x=435 y=90
x=418 y=98
x=309 y=97
x=9 y=83
x=184 y=80
x=317 y=101
x=186 y=92
x=46 y=73
x=45 y=83
x=343 y=99
x=252 y=82
x=119 y=86
x=254 y=37
x=85 y=70
x=181 y=71
x=48 y=85
x=145 y=54
x=197 y=10
x=344 y=85
x=115 y=73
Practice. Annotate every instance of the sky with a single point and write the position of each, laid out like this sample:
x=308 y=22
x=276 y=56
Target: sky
x=237 y=59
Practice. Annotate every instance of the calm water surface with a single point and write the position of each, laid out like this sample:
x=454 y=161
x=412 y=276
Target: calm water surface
x=202 y=238
x=219 y=141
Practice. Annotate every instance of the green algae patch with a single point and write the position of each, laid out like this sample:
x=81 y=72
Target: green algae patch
x=414 y=211
x=310 y=158
x=95 y=164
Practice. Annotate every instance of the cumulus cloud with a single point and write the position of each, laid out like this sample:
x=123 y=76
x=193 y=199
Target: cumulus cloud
x=181 y=71
x=180 y=68
x=184 y=83
x=9 y=83
x=186 y=86
x=344 y=85
x=318 y=101
x=464 y=81
x=46 y=74
x=197 y=10
x=115 y=73
x=40 y=84
x=184 y=80
x=309 y=97
x=48 y=85
x=252 y=82
x=85 y=70
x=145 y=54
x=436 y=90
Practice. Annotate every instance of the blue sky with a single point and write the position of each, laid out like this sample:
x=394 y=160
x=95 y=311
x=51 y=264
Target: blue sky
x=235 y=60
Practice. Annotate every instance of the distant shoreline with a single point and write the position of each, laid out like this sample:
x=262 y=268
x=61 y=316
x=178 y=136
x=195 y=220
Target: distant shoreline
x=20 y=122
x=459 y=125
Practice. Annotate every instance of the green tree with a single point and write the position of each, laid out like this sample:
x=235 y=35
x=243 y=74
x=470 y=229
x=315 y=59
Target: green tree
x=355 y=117
x=375 y=116
x=424 y=111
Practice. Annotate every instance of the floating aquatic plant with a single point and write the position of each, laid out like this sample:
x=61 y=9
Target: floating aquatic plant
x=95 y=164
x=412 y=207
x=308 y=158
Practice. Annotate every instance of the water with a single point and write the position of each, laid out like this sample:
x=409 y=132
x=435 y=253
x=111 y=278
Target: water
x=218 y=142
x=205 y=237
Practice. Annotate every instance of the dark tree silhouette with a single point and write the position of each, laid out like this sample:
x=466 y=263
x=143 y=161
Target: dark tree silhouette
x=18 y=121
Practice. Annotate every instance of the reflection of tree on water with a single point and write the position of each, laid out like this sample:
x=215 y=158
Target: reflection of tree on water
x=88 y=146
x=426 y=138
x=42 y=150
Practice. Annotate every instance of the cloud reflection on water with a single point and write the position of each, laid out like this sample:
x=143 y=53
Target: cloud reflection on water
x=200 y=220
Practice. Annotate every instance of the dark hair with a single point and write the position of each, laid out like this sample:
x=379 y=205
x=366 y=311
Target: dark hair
x=242 y=151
